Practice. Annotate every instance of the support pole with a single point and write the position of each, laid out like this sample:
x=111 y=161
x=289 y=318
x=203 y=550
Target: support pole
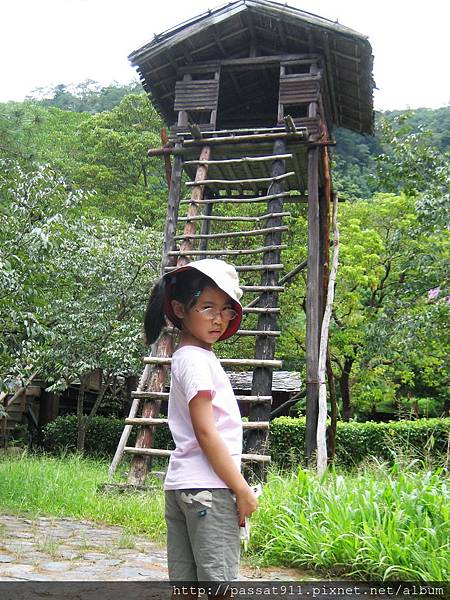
x=322 y=420
x=312 y=304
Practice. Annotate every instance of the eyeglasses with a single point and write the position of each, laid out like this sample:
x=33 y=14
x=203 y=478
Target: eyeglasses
x=211 y=313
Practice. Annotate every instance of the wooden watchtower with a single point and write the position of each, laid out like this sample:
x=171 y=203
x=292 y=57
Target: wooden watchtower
x=251 y=92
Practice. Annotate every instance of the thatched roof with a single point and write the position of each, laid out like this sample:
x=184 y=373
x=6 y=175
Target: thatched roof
x=270 y=29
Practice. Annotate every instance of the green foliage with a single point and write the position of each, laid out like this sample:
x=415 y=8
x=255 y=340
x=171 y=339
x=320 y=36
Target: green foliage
x=87 y=96
x=374 y=524
x=69 y=486
x=112 y=150
x=356 y=442
x=73 y=291
x=102 y=436
x=412 y=164
x=33 y=209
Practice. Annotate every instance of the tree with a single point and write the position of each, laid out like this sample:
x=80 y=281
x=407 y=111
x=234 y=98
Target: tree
x=33 y=209
x=102 y=277
x=387 y=267
x=412 y=164
x=73 y=291
x=112 y=147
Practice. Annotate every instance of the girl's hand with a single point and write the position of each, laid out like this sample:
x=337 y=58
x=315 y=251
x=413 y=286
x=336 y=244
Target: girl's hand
x=246 y=503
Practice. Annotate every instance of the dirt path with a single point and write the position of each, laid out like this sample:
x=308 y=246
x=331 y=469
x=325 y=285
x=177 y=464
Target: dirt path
x=65 y=549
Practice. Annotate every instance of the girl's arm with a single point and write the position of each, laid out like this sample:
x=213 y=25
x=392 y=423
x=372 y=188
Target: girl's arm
x=218 y=455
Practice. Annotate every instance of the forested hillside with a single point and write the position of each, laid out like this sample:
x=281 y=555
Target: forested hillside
x=82 y=213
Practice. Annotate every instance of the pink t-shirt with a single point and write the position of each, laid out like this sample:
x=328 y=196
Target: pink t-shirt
x=195 y=369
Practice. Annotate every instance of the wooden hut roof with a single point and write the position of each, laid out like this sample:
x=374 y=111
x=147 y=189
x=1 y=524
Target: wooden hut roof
x=273 y=30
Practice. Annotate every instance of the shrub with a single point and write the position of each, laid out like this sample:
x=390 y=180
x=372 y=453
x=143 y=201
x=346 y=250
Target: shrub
x=356 y=442
x=102 y=436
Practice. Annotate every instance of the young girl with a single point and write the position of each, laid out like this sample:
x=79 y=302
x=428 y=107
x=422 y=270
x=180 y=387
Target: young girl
x=207 y=499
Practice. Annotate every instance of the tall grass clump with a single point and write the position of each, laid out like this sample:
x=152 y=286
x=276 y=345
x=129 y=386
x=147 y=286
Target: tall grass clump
x=68 y=486
x=378 y=523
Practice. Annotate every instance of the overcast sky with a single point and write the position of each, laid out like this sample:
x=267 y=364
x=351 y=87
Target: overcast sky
x=48 y=42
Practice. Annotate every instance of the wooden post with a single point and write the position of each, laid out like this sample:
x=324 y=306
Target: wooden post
x=172 y=210
x=265 y=345
x=167 y=161
x=193 y=209
x=312 y=304
x=206 y=227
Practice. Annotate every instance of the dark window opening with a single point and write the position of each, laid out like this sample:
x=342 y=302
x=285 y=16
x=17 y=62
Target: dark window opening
x=297 y=69
x=296 y=111
x=200 y=117
x=202 y=76
x=248 y=97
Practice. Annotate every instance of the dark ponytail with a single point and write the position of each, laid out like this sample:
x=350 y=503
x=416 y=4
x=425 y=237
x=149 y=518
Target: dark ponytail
x=154 y=319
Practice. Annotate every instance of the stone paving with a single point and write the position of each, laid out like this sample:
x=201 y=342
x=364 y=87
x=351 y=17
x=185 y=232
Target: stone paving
x=65 y=549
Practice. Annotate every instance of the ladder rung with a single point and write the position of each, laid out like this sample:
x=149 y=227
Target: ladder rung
x=231 y=234
x=261 y=310
x=239 y=160
x=147 y=451
x=241 y=130
x=146 y=421
x=244 y=332
x=264 y=458
x=237 y=218
x=262 y=288
x=241 y=268
x=238 y=200
x=255 y=424
x=261 y=180
x=254 y=399
x=157 y=452
x=165 y=396
x=226 y=252
x=274 y=267
x=249 y=362
x=161 y=422
x=151 y=395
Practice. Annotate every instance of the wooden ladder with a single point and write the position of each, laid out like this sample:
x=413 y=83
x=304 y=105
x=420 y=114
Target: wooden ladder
x=224 y=189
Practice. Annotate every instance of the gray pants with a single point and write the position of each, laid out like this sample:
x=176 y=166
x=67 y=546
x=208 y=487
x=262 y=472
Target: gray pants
x=202 y=535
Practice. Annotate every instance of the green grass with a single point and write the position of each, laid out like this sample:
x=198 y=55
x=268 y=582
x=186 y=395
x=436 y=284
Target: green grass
x=44 y=485
x=375 y=523
x=378 y=523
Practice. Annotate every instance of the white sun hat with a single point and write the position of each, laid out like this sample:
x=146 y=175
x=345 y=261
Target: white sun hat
x=223 y=275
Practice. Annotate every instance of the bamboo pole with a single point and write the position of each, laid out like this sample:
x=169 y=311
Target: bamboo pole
x=165 y=422
x=244 y=159
x=302 y=199
x=322 y=420
x=257 y=332
x=165 y=396
x=228 y=362
x=312 y=303
x=241 y=268
x=172 y=150
x=155 y=452
x=231 y=234
x=229 y=252
x=301 y=134
x=236 y=218
x=225 y=182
